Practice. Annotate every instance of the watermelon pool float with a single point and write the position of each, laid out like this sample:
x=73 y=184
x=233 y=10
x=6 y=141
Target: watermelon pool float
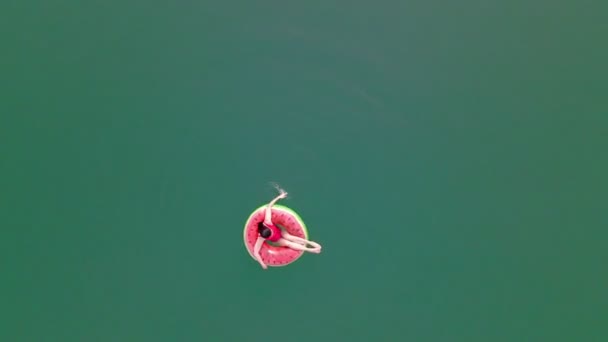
x=284 y=218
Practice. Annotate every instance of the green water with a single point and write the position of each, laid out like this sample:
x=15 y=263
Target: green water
x=449 y=156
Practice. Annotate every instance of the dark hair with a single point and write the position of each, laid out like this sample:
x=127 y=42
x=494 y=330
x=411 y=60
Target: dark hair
x=264 y=231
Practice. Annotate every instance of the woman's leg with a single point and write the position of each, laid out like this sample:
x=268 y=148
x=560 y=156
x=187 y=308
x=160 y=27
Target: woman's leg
x=298 y=243
x=256 y=251
x=268 y=216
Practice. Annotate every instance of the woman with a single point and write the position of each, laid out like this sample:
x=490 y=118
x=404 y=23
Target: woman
x=268 y=231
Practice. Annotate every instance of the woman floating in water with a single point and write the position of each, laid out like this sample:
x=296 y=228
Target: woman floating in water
x=270 y=245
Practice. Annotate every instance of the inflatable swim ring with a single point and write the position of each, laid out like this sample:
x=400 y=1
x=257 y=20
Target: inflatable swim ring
x=283 y=217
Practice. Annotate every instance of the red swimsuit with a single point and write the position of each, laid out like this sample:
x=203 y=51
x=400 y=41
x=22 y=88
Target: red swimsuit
x=275 y=233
